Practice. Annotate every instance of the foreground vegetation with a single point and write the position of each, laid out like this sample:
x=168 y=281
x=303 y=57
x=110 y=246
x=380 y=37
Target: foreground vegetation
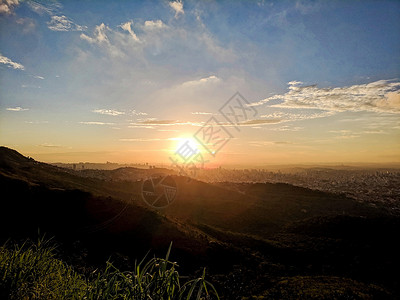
x=31 y=271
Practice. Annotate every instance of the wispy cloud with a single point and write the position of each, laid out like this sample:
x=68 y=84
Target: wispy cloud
x=191 y=123
x=11 y=64
x=177 y=6
x=99 y=35
x=156 y=123
x=294 y=82
x=100 y=38
x=37 y=122
x=286 y=128
x=378 y=96
x=148 y=139
x=128 y=27
x=260 y=122
x=160 y=122
x=113 y=112
x=296 y=116
x=153 y=25
x=140 y=126
x=110 y=112
x=28 y=25
x=96 y=123
x=201 y=81
x=62 y=23
x=58 y=21
x=167 y=130
x=24 y=86
x=138 y=113
x=50 y=8
x=347 y=136
x=155 y=37
x=18 y=108
x=163 y=122
x=268 y=143
x=202 y=113
x=49 y=145
x=140 y=140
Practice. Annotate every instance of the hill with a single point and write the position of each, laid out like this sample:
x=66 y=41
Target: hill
x=257 y=239
x=37 y=195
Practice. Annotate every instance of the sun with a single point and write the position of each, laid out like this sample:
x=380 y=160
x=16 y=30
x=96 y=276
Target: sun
x=186 y=146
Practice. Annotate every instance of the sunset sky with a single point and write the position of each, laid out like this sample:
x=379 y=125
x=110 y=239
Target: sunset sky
x=131 y=81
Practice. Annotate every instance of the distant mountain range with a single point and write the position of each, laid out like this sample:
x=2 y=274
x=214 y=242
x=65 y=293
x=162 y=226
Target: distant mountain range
x=267 y=231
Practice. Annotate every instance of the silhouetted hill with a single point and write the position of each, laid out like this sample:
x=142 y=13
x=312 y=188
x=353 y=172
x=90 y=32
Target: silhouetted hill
x=260 y=239
x=11 y=159
x=37 y=195
x=259 y=209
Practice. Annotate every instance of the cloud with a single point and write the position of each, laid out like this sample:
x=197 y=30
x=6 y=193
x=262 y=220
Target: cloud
x=157 y=38
x=36 y=122
x=139 y=140
x=202 y=113
x=152 y=25
x=138 y=113
x=202 y=93
x=50 y=8
x=286 y=128
x=223 y=54
x=294 y=82
x=28 y=24
x=296 y=116
x=347 y=136
x=391 y=100
x=57 y=22
x=128 y=27
x=140 y=126
x=24 y=86
x=18 y=108
x=268 y=143
x=168 y=130
x=147 y=140
x=96 y=123
x=109 y=112
x=378 y=96
x=49 y=145
x=100 y=38
x=307 y=7
x=113 y=112
x=62 y=23
x=160 y=122
x=201 y=82
x=260 y=122
x=177 y=6
x=7 y=6
x=177 y=122
x=38 y=77
x=100 y=35
x=165 y=123
x=11 y=64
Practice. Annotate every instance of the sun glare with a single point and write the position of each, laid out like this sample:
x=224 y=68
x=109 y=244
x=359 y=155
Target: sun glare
x=186 y=146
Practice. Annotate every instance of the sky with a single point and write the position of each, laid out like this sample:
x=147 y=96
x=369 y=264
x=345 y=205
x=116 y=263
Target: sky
x=215 y=83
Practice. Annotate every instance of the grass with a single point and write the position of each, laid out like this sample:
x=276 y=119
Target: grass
x=31 y=271
x=323 y=288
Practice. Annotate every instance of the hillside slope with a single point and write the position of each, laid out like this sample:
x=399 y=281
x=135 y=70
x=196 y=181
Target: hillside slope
x=255 y=239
